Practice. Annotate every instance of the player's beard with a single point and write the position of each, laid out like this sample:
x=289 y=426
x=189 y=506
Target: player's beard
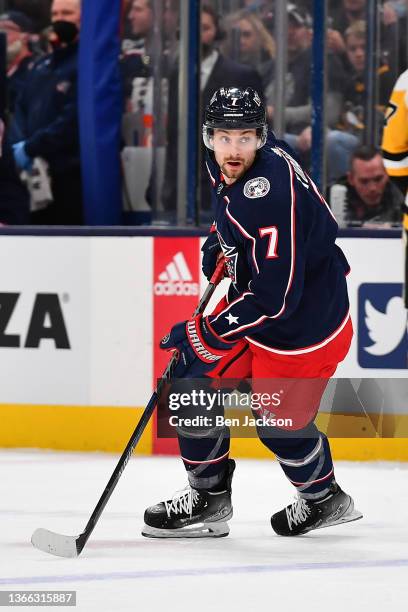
x=236 y=173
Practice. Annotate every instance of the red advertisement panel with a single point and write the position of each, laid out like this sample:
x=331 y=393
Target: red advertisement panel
x=176 y=287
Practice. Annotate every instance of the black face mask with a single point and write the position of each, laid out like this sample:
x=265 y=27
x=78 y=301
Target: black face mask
x=66 y=31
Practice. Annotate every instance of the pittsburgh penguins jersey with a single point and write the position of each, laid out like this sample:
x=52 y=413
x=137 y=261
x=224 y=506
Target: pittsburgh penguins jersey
x=395 y=150
x=395 y=135
x=288 y=290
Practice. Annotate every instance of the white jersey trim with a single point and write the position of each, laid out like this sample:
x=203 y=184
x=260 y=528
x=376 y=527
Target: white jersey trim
x=402 y=85
x=391 y=164
x=305 y=350
x=243 y=232
x=211 y=176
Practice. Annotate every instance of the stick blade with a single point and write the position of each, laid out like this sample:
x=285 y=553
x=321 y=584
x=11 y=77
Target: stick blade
x=55 y=543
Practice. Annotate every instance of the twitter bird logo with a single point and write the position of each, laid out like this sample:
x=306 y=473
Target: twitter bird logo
x=387 y=329
x=382 y=330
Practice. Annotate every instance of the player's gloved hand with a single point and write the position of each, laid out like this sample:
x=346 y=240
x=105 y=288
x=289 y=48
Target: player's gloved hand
x=211 y=250
x=23 y=161
x=199 y=348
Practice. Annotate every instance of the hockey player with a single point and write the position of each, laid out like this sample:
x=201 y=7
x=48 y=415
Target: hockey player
x=395 y=150
x=286 y=315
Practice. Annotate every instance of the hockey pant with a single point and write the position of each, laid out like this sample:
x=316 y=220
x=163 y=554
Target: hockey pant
x=302 y=452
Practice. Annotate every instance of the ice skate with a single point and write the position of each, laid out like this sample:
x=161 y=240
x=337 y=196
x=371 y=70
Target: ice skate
x=192 y=513
x=303 y=515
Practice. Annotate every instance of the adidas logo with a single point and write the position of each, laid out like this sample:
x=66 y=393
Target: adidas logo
x=176 y=279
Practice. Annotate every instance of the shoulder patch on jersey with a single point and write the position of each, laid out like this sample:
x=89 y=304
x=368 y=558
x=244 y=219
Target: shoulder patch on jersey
x=257 y=187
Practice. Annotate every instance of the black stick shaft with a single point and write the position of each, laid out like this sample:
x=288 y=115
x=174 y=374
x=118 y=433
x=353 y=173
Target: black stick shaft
x=144 y=420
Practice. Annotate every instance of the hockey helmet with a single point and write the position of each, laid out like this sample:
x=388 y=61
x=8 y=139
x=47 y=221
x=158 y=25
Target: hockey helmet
x=233 y=108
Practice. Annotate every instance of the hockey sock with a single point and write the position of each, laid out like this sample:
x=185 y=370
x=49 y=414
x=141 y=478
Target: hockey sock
x=306 y=461
x=205 y=459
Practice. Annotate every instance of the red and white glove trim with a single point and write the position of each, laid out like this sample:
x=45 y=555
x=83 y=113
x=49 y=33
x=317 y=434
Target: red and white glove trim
x=201 y=348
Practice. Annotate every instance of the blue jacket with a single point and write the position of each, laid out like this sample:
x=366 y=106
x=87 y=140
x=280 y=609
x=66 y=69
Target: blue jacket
x=288 y=291
x=46 y=114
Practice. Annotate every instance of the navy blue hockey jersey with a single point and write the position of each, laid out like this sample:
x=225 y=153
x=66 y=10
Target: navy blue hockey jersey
x=288 y=288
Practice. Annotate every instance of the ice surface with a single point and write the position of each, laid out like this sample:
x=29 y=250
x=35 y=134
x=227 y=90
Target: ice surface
x=358 y=566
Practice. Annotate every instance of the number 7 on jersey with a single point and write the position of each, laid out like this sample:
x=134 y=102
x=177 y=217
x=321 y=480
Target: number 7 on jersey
x=272 y=232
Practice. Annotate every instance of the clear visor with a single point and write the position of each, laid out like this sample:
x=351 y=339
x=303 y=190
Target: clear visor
x=224 y=141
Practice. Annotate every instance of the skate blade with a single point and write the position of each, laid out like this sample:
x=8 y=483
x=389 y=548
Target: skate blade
x=201 y=530
x=349 y=516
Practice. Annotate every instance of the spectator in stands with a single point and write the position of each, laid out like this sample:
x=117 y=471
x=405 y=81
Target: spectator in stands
x=250 y=43
x=264 y=9
x=350 y=11
x=216 y=71
x=355 y=40
x=14 y=199
x=171 y=20
x=298 y=106
x=137 y=63
x=401 y=8
x=45 y=124
x=298 y=109
x=139 y=21
x=351 y=125
x=139 y=25
x=346 y=13
x=366 y=193
x=128 y=39
x=17 y=28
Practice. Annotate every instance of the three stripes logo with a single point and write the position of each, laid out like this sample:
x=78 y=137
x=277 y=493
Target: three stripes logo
x=176 y=279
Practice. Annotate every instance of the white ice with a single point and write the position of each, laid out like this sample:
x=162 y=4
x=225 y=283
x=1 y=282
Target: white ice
x=358 y=566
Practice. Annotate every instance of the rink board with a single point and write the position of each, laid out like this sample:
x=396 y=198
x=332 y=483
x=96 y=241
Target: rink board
x=78 y=347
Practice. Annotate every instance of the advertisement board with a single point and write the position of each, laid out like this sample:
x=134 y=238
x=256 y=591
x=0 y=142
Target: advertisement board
x=81 y=319
x=76 y=321
x=379 y=348
x=176 y=290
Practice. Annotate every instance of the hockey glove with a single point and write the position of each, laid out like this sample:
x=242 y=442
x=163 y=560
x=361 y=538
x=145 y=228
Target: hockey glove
x=23 y=161
x=199 y=348
x=211 y=250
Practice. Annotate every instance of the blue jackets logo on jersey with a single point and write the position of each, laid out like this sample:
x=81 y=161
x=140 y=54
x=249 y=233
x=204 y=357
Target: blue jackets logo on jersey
x=231 y=256
x=382 y=326
x=257 y=187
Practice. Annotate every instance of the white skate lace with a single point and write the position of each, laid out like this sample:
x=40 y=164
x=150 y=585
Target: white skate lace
x=182 y=501
x=298 y=512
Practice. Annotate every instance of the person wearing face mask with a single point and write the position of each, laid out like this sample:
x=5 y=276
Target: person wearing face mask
x=18 y=29
x=45 y=126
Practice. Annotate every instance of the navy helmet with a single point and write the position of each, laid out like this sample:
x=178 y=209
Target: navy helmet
x=233 y=108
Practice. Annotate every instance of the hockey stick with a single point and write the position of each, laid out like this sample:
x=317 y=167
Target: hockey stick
x=72 y=546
